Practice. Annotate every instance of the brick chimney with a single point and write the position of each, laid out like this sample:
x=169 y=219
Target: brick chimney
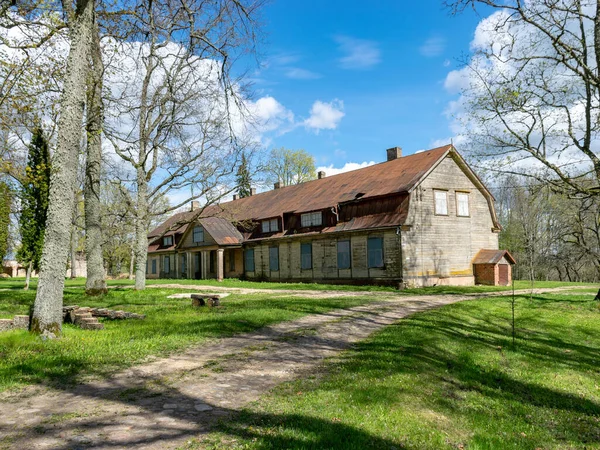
x=252 y=191
x=320 y=174
x=394 y=153
x=195 y=205
x=276 y=185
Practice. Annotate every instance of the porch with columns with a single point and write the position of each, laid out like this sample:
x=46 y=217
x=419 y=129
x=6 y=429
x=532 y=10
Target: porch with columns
x=199 y=265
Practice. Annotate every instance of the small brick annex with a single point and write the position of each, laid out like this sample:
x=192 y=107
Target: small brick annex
x=493 y=267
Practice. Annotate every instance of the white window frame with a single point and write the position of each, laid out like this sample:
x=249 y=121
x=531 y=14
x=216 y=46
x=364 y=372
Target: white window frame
x=437 y=202
x=270 y=225
x=311 y=219
x=465 y=196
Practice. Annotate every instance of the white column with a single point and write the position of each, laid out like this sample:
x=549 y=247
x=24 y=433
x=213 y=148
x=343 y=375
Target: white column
x=220 y=262
x=204 y=259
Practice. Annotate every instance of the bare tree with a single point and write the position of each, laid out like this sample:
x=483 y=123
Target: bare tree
x=531 y=91
x=178 y=110
x=95 y=283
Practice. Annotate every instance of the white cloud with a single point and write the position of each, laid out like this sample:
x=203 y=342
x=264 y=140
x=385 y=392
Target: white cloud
x=331 y=170
x=434 y=46
x=358 y=53
x=297 y=73
x=270 y=114
x=325 y=116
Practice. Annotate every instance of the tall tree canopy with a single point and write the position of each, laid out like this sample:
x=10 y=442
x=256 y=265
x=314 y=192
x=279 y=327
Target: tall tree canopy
x=530 y=102
x=34 y=200
x=290 y=166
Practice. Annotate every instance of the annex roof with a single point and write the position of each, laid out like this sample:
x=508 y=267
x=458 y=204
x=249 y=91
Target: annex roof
x=486 y=256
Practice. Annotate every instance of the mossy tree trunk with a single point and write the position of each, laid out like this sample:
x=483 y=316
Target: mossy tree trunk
x=47 y=309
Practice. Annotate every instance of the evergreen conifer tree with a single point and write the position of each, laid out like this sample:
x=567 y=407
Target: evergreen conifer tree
x=34 y=200
x=244 y=181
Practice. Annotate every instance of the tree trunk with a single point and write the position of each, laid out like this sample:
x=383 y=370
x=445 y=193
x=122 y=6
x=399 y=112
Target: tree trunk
x=95 y=283
x=132 y=260
x=74 y=239
x=47 y=309
x=28 y=275
x=141 y=231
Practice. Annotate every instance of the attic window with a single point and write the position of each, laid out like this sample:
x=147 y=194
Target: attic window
x=313 y=219
x=441 y=202
x=462 y=204
x=198 y=234
x=270 y=225
x=168 y=241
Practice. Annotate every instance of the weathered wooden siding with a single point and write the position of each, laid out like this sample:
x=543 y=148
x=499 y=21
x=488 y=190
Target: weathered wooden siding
x=324 y=258
x=188 y=239
x=439 y=249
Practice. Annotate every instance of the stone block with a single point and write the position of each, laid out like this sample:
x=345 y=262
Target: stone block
x=6 y=324
x=21 y=322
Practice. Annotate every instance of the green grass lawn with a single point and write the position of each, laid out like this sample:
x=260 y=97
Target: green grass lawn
x=445 y=379
x=170 y=325
x=17 y=283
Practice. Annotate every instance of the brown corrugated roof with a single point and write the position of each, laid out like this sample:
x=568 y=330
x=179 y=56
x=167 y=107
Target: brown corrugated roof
x=390 y=177
x=486 y=256
x=222 y=231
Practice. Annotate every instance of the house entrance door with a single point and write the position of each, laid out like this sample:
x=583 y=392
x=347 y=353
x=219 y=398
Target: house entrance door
x=198 y=266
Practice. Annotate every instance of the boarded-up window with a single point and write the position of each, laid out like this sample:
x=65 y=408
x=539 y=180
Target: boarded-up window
x=306 y=256
x=198 y=235
x=270 y=225
x=343 y=254
x=167 y=264
x=313 y=219
x=249 y=260
x=154 y=267
x=441 y=202
x=375 y=252
x=274 y=259
x=462 y=204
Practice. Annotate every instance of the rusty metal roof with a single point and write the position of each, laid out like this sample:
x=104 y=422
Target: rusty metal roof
x=486 y=256
x=222 y=231
x=390 y=177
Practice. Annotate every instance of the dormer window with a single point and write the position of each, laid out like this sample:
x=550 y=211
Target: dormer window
x=198 y=234
x=168 y=241
x=313 y=219
x=268 y=226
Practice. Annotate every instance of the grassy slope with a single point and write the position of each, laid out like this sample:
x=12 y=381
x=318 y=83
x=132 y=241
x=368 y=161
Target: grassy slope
x=448 y=378
x=171 y=324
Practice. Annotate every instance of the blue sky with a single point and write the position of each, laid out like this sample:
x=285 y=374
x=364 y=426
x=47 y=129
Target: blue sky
x=382 y=64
